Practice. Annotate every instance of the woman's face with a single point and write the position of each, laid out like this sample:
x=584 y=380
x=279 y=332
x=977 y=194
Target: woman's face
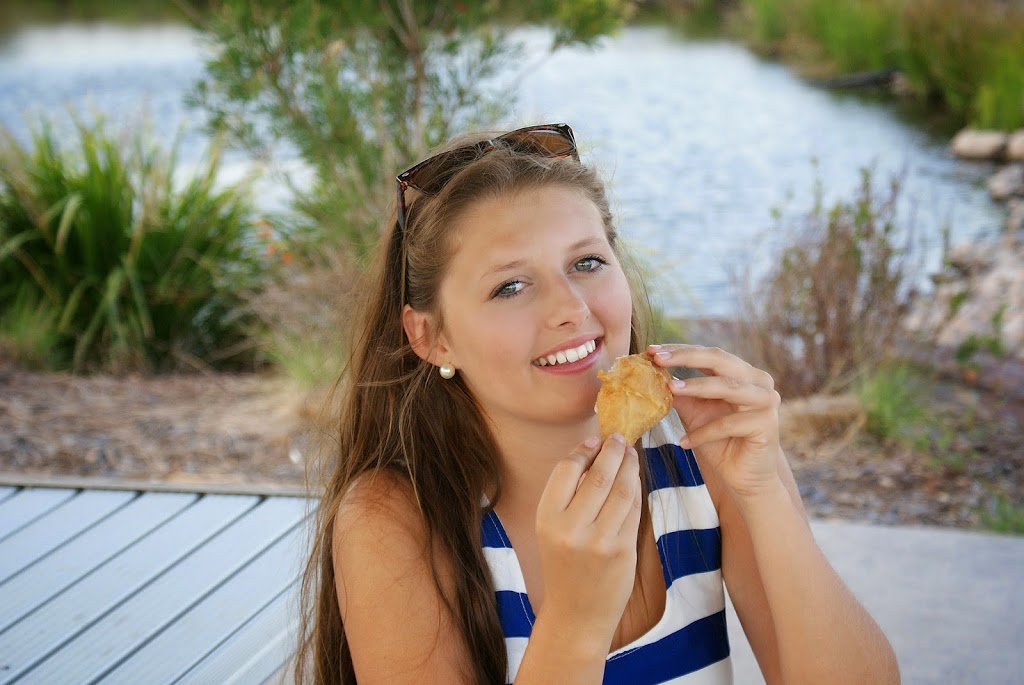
x=534 y=303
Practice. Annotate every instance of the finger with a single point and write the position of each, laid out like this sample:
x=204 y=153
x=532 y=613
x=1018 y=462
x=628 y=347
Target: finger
x=561 y=485
x=622 y=496
x=759 y=427
x=713 y=361
x=593 y=491
x=632 y=523
x=728 y=389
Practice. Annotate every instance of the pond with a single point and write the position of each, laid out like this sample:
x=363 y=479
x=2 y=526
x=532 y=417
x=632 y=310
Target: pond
x=701 y=141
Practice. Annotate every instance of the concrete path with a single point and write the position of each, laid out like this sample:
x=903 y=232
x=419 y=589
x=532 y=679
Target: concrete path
x=951 y=602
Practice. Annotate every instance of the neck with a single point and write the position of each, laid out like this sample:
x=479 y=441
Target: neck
x=528 y=455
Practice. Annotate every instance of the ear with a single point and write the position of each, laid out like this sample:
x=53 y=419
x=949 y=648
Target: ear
x=425 y=339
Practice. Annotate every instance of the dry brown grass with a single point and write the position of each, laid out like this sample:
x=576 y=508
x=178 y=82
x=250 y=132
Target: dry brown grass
x=831 y=305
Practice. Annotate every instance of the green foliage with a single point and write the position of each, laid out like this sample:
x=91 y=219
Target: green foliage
x=987 y=342
x=359 y=90
x=856 y=35
x=894 y=399
x=130 y=270
x=966 y=55
x=28 y=331
x=1004 y=517
x=767 y=24
x=830 y=306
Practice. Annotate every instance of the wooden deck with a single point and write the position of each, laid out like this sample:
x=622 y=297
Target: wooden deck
x=141 y=586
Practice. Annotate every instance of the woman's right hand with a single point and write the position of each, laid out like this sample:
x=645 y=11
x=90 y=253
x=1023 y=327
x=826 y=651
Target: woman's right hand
x=587 y=533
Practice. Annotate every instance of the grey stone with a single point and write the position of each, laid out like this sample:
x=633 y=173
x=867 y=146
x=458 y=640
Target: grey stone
x=972 y=144
x=1007 y=182
x=1015 y=146
x=1015 y=216
x=972 y=258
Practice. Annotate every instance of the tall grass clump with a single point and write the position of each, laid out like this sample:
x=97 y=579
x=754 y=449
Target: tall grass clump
x=127 y=269
x=966 y=55
x=893 y=397
x=829 y=307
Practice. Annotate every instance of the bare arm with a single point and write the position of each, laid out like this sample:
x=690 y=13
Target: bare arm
x=396 y=625
x=804 y=624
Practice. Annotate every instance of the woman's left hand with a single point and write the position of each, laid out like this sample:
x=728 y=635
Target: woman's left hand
x=731 y=415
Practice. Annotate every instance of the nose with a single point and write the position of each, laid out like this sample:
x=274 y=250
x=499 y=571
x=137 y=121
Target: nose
x=567 y=307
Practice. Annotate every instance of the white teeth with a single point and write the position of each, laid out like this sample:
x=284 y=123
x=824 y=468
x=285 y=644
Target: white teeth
x=568 y=356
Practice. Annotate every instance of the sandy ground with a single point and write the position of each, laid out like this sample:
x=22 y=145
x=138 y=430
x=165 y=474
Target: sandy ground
x=250 y=429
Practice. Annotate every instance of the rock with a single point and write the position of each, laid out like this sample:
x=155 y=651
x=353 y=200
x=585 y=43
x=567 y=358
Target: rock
x=983 y=306
x=971 y=144
x=1015 y=216
x=972 y=258
x=1015 y=146
x=1007 y=182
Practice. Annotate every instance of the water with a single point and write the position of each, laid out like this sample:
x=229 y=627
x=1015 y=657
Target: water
x=700 y=141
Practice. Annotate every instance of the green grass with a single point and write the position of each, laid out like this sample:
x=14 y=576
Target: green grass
x=1004 y=517
x=28 y=332
x=143 y=272
x=965 y=55
x=895 y=402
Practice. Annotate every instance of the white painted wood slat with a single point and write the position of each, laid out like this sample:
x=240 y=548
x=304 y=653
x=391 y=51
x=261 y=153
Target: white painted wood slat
x=38 y=583
x=55 y=527
x=114 y=637
x=210 y=622
x=27 y=505
x=257 y=651
x=105 y=589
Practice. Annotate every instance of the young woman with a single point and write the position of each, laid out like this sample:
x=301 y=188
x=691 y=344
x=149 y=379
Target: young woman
x=475 y=529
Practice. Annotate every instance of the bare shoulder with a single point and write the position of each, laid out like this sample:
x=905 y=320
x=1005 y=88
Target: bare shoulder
x=377 y=524
x=396 y=623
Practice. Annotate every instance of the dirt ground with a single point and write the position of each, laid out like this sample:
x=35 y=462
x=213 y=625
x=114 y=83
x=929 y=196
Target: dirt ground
x=249 y=429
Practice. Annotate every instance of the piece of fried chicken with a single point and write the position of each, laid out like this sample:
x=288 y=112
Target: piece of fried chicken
x=634 y=397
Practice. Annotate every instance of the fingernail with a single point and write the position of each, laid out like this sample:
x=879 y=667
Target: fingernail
x=591 y=443
x=632 y=451
x=678 y=384
x=618 y=438
x=665 y=355
x=684 y=441
x=654 y=347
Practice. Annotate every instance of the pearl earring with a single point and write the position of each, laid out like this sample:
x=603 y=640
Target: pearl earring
x=447 y=371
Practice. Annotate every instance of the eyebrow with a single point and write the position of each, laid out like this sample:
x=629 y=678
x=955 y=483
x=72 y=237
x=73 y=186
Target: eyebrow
x=517 y=263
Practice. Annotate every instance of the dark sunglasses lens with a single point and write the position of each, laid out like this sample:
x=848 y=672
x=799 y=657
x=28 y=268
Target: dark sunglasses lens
x=544 y=142
x=433 y=174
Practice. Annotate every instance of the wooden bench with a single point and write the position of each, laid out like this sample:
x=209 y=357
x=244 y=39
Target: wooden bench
x=144 y=583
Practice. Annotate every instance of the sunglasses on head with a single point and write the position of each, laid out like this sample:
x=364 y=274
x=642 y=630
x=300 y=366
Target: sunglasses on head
x=553 y=141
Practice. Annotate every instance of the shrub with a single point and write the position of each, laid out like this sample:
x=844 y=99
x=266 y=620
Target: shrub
x=141 y=272
x=830 y=306
x=894 y=400
x=965 y=55
x=358 y=90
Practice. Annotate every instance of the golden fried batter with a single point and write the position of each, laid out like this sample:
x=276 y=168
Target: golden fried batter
x=634 y=397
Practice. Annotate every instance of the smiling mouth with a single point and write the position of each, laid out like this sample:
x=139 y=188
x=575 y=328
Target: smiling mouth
x=568 y=356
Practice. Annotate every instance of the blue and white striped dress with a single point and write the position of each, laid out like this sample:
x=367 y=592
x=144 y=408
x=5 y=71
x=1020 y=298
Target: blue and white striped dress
x=689 y=645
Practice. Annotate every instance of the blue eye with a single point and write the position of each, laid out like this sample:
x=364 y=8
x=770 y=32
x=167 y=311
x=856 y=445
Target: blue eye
x=509 y=289
x=589 y=264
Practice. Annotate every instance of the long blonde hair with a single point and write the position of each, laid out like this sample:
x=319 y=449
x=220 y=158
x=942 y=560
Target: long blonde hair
x=396 y=413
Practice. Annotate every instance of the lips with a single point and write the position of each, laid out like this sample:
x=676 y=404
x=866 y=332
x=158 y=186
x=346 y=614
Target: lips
x=568 y=355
